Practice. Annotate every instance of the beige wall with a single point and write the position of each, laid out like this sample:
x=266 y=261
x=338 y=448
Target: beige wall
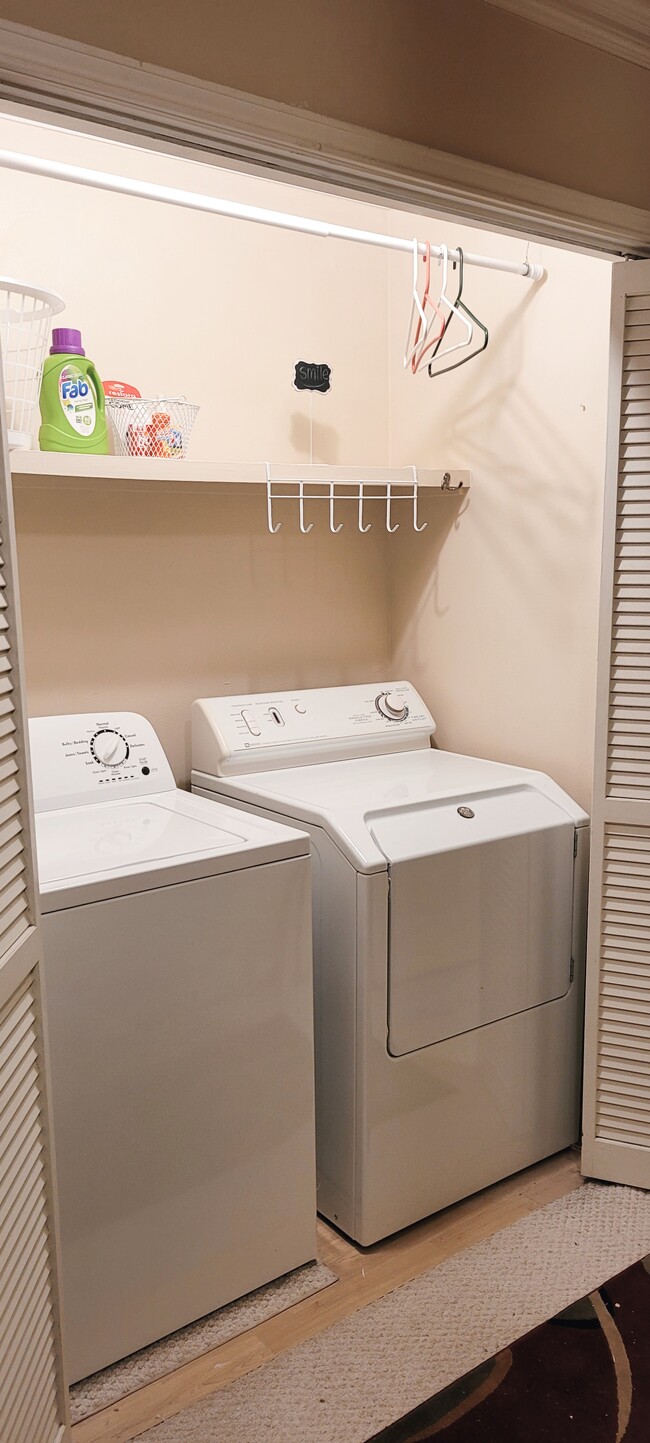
x=457 y=75
x=145 y=598
x=176 y=301
x=495 y=617
x=145 y=601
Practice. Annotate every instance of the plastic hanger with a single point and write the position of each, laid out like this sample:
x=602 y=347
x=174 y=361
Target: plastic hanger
x=462 y=310
x=422 y=341
x=416 y=309
x=454 y=310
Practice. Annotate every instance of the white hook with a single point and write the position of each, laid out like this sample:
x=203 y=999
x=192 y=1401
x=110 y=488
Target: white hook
x=269 y=503
x=334 y=529
x=389 y=502
x=301 y=510
x=424 y=525
x=361 y=499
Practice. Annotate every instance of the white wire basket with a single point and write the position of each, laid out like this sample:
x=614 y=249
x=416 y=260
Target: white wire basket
x=151 y=428
x=25 y=316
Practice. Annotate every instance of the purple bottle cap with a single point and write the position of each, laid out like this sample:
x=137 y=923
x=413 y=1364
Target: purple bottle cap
x=66 y=342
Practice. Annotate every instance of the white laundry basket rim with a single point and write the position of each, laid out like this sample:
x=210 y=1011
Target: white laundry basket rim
x=55 y=302
x=26 y=313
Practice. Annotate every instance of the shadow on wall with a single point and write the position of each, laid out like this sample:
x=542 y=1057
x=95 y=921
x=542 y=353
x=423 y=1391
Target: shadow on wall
x=418 y=580
x=551 y=479
x=313 y=440
x=532 y=483
x=500 y=631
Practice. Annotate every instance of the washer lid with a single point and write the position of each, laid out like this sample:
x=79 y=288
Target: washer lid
x=87 y=853
x=76 y=843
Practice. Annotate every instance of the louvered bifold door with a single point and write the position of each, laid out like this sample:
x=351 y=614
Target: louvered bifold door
x=33 y=1399
x=617 y=1038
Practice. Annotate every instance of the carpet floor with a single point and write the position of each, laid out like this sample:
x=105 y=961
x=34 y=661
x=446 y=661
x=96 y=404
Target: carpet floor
x=111 y=1384
x=358 y=1376
x=582 y=1377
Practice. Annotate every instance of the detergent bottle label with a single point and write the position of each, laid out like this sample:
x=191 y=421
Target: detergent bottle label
x=77 y=400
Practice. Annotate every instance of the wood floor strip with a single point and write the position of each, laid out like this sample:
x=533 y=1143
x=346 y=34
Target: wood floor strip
x=364 y=1275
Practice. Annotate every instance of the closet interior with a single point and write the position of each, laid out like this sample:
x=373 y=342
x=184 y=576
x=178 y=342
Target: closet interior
x=374 y=447
x=163 y=591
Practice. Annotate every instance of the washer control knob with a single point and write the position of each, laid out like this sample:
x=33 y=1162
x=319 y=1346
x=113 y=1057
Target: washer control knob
x=390 y=705
x=109 y=747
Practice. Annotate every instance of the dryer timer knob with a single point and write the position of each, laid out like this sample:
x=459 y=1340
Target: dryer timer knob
x=391 y=706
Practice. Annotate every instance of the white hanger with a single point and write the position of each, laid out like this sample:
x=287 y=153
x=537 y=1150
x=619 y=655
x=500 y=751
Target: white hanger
x=432 y=336
x=416 y=305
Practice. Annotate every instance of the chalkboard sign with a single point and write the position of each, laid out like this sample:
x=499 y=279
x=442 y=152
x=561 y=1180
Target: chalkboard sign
x=312 y=376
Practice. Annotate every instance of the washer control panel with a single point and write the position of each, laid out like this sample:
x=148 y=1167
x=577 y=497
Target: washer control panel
x=95 y=757
x=232 y=735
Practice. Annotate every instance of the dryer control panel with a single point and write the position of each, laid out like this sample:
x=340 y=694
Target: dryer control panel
x=95 y=757
x=236 y=734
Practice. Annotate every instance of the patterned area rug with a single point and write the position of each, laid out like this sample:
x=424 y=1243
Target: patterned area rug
x=375 y=1366
x=583 y=1377
x=111 y=1384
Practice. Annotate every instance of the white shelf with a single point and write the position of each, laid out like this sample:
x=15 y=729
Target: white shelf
x=64 y=466
x=70 y=468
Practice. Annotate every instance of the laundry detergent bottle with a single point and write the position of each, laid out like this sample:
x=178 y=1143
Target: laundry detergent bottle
x=73 y=408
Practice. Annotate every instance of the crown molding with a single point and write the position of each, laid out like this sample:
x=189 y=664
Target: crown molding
x=78 y=86
x=621 y=27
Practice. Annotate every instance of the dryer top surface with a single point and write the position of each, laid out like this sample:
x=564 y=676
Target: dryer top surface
x=347 y=798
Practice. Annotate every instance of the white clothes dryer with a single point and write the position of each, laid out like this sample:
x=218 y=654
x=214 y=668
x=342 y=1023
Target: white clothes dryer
x=449 y=934
x=179 y=1003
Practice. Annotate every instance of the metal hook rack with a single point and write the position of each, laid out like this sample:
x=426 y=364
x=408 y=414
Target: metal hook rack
x=391 y=487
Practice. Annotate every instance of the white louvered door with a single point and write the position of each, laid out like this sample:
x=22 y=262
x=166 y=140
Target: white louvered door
x=616 y=1142
x=33 y=1398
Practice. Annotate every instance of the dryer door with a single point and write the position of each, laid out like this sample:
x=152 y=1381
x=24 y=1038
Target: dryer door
x=481 y=896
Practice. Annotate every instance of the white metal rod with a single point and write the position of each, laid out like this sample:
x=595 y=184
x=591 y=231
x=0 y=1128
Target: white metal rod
x=339 y=496
x=193 y=200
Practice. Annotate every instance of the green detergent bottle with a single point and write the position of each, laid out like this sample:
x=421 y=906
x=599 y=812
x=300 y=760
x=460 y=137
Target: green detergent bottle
x=73 y=407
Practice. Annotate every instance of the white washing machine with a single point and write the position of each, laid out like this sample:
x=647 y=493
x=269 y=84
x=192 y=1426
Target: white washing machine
x=179 y=1000
x=449 y=933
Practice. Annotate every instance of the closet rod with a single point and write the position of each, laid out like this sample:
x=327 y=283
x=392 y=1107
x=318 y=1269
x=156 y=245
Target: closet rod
x=192 y=200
